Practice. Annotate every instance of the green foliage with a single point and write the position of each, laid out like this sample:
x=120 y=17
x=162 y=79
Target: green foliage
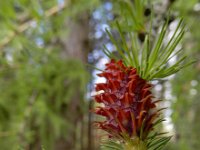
x=37 y=85
x=111 y=145
x=35 y=96
x=131 y=14
x=157 y=142
x=151 y=57
x=150 y=62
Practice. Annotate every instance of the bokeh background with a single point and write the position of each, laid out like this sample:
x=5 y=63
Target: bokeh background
x=46 y=82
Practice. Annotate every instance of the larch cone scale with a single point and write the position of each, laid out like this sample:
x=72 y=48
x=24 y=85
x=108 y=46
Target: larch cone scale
x=127 y=104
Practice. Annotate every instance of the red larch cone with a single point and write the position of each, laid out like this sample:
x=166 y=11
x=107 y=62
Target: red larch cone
x=128 y=104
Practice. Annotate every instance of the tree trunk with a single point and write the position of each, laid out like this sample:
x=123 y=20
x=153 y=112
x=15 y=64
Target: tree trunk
x=76 y=43
x=75 y=46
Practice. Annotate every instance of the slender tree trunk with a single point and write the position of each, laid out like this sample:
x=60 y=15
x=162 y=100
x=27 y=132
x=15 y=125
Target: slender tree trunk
x=75 y=46
x=76 y=43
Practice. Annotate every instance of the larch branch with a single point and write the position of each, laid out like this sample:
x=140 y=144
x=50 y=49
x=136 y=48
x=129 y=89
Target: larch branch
x=23 y=27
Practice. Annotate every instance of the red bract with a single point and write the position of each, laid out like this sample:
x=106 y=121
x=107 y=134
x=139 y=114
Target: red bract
x=128 y=107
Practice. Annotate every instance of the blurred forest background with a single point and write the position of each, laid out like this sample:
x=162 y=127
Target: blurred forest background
x=45 y=83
